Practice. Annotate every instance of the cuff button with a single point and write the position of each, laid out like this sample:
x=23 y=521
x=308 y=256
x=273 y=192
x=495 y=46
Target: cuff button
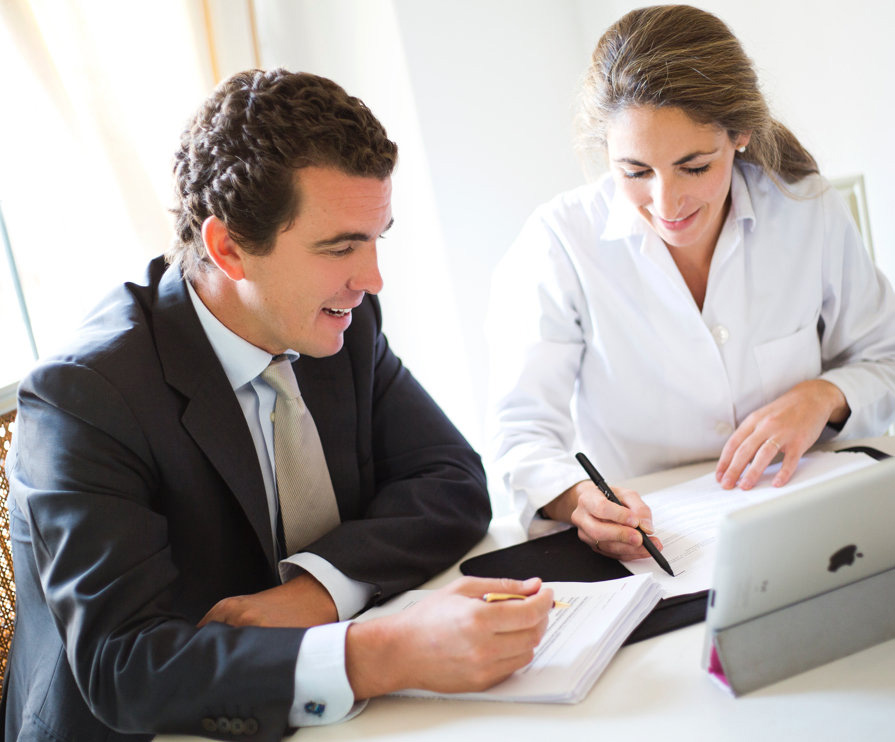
x=315 y=709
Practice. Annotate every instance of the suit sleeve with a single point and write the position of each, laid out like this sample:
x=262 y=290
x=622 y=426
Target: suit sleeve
x=424 y=500
x=86 y=483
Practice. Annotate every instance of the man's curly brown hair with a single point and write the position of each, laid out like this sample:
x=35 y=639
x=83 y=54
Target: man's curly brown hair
x=239 y=154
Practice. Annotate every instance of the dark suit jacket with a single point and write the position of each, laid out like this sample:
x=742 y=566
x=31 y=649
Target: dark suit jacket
x=138 y=503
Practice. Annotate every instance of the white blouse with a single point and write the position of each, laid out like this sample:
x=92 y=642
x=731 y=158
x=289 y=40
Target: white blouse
x=597 y=344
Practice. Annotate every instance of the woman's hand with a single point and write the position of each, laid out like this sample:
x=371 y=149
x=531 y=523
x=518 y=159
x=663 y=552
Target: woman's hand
x=790 y=425
x=604 y=526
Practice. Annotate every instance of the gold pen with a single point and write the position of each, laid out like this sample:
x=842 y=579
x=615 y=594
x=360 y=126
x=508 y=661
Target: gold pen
x=495 y=597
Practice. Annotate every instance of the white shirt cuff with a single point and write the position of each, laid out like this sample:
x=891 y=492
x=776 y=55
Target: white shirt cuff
x=350 y=596
x=323 y=694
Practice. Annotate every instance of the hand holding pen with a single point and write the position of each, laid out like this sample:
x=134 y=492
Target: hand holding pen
x=590 y=515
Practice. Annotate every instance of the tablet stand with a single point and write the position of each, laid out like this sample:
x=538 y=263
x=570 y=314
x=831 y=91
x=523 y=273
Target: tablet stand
x=812 y=632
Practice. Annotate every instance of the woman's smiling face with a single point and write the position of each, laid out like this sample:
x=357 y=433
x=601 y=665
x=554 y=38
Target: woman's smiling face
x=674 y=171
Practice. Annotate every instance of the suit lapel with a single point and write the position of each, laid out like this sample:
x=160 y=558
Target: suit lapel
x=212 y=415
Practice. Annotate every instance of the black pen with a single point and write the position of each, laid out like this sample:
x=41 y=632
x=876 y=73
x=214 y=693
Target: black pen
x=610 y=495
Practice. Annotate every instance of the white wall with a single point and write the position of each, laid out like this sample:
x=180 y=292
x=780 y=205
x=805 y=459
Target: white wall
x=479 y=95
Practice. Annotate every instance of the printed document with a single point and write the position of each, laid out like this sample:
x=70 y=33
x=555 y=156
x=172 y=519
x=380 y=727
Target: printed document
x=687 y=516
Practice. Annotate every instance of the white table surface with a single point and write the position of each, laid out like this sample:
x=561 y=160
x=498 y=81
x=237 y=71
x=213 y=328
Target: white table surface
x=655 y=689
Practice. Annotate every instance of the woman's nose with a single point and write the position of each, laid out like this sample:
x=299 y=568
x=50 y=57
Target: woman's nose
x=666 y=198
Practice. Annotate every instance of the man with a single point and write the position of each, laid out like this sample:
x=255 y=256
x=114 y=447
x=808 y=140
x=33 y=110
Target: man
x=165 y=582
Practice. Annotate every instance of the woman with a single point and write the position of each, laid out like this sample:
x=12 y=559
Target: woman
x=709 y=297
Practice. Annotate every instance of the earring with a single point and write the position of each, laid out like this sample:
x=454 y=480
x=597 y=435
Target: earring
x=741 y=149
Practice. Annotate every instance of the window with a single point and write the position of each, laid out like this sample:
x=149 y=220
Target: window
x=93 y=109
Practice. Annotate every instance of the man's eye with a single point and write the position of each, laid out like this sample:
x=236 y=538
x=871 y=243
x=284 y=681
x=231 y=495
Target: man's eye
x=342 y=252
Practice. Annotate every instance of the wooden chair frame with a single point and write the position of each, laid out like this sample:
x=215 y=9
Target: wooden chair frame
x=7 y=578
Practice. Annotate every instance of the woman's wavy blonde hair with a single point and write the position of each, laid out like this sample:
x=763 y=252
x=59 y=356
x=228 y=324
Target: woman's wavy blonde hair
x=681 y=56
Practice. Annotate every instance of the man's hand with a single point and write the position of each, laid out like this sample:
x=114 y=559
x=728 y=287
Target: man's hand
x=791 y=424
x=604 y=526
x=451 y=642
x=300 y=602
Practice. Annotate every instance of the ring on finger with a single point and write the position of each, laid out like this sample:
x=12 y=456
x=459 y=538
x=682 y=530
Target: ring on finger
x=775 y=444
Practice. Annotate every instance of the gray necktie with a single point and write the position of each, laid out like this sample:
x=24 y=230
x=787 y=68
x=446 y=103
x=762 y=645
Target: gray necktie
x=308 y=506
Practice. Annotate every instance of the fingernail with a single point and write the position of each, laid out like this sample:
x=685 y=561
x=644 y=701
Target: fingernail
x=647 y=525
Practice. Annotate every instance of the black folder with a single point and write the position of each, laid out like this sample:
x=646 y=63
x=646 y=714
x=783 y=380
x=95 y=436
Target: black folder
x=563 y=557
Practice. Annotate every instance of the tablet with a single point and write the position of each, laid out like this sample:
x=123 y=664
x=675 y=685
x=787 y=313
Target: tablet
x=801 y=545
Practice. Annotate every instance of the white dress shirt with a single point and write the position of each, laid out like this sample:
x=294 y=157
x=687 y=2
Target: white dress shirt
x=323 y=694
x=598 y=345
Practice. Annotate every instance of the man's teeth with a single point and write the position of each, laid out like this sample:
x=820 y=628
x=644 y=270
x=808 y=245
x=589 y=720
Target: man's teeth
x=337 y=312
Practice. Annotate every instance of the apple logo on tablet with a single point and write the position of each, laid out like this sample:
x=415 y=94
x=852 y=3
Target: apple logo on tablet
x=845 y=557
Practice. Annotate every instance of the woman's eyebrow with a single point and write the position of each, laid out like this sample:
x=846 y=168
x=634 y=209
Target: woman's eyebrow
x=694 y=155
x=630 y=161
x=681 y=161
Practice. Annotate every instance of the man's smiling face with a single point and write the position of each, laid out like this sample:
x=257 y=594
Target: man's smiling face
x=300 y=295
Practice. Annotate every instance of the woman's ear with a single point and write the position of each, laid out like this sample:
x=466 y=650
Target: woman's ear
x=223 y=250
x=742 y=141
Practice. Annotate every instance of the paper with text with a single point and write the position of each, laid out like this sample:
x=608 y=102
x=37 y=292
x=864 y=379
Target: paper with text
x=687 y=517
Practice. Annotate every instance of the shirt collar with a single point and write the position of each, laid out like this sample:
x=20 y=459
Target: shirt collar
x=740 y=199
x=625 y=221
x=241 y=360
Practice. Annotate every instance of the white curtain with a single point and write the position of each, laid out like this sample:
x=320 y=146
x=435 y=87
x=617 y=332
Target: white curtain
x=95 y=96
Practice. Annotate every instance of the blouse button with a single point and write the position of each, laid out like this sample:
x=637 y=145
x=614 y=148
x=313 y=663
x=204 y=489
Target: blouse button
x=723 y=429
x=721 y=334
